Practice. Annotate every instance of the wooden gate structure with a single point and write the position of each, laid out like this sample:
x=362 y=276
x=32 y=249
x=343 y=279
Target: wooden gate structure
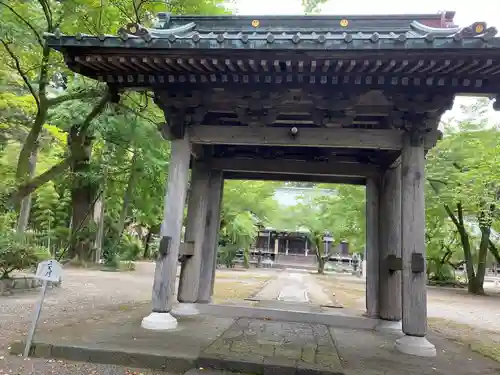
x=353 y=100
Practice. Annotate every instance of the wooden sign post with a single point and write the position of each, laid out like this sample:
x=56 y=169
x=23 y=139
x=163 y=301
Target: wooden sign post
x=48 y=270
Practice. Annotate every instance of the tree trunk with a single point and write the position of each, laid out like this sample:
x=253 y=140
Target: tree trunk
x=494 y=251
x=472 y=285
x=29 y=187
x=26 y=162
x=485 y=221
x=321 y=263
x=147 y=244
x=82 y=195
x=100 y=223
x=25 y=207
x=477 y=287
x=127 y=197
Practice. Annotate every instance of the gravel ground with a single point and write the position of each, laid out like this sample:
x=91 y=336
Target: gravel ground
x=83 y=294
x=455 y=305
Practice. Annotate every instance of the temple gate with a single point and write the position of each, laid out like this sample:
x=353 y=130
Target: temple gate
x=353 y=100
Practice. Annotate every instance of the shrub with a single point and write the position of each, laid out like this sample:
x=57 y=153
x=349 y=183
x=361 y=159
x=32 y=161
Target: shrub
x=246 y=258
x=130 y=247
x=227 y=255
x=112 y=262
x=15 y=255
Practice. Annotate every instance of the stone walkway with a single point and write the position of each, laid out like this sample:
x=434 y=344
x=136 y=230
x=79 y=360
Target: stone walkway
x=293 y=285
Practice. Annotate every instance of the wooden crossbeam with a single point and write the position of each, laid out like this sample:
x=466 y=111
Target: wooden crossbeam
x=378 y=139
x=294 y=178
x=292 y=167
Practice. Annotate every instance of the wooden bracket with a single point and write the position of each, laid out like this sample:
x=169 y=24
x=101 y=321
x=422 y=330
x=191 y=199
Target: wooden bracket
x=393 y=263
x=186 y=250
x=417 y=263
x=164 y=247
x=417 y=137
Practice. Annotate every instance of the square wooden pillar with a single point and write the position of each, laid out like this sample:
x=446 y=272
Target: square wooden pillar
x=372 y=247
x=189 y=279
x=211 y=243
x=168 y=254
x=390 y=250
x=414 y=277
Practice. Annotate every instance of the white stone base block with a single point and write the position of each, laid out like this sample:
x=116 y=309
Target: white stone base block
x=185 y=309
x=414 y=345
x=159 y=322
x=389 y=326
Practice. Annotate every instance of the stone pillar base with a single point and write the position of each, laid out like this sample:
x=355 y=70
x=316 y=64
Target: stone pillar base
x=185 y=309
x=159 y=322
x=389 y=326
x=204 y=302
x=414 y=345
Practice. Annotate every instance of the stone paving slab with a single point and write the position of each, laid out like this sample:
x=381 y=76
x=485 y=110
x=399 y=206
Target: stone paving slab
x=120 y=340
x=289 y=306
x=250 y=345
x=270 y=347
x=284 y=311
x=372 y=353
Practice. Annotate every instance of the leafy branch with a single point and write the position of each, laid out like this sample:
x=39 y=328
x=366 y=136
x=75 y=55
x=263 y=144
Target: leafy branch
x=48 y=14
x=74 y=96
x=23 y=75
x=29 y=187
x=25 y=21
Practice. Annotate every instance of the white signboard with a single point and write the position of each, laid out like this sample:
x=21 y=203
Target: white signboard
x=49 y=270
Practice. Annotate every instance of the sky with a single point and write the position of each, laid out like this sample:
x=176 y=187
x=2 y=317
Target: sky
x=467 y=12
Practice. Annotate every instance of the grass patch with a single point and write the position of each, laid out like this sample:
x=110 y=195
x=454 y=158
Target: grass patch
x=478 y=340
x=224 y=291
x=123 y=266
x=348 y=294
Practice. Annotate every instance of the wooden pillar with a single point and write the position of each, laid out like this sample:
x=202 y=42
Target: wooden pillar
x=168 y=254
x=390 y=244
x=209 y=258
x=217 y=240
x=189 y=279
x=372 y=248
x=414 y=278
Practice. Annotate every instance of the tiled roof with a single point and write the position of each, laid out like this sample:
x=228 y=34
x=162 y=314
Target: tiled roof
x=390 y=51
x=303 y=32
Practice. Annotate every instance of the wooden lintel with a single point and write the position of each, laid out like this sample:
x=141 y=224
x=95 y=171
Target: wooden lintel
x=292 y=167
x=379 y=139
x=294 y=178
